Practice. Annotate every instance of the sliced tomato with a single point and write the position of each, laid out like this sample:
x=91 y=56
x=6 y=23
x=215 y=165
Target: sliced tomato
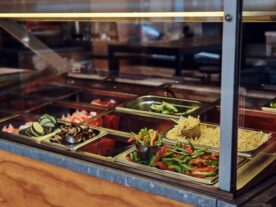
x=96 y=122
x=196 y=175
x=199 y=162
x=160 y=153
x=188 y=148
x=76 y=119
x=102 y=103
x=175 y=155
x=162 y=166
x=203 y=169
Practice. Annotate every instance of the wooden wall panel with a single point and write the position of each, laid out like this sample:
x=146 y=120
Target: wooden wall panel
x=28 y=183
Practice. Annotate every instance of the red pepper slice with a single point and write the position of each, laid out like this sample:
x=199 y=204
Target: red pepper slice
x=162 y=166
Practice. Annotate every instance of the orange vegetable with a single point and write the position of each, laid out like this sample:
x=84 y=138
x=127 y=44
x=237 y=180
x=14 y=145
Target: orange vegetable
x=131 y=139
x=153 y=137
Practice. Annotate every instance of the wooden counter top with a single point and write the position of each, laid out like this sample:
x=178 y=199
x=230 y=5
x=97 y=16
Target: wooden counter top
x=25 y=183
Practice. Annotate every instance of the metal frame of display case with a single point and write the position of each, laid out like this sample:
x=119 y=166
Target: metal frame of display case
x=231 y=54
x=230 y=75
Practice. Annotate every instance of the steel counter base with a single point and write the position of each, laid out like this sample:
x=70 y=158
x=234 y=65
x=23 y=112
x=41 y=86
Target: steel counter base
x=183 y=195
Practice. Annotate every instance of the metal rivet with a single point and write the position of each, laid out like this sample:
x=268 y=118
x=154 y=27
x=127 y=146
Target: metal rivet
x=228 y=17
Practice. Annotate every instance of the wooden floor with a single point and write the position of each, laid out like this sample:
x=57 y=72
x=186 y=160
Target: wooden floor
x=29 y=183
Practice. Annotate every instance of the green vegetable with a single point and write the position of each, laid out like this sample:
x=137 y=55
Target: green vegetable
x=134 y=156
x=36 y=129
x=273 y=104
x=164 y=108
x=147 y=138
x=152 y=160
x=175 y=168
x=180 y=161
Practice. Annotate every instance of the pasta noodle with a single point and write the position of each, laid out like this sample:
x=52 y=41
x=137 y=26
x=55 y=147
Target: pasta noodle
x=247 y=139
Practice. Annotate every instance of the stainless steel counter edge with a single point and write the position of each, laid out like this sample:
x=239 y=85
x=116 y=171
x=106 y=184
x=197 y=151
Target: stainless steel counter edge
x=113 y=175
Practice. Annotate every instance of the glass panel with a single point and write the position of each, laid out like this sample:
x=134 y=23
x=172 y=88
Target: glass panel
x=257 y=91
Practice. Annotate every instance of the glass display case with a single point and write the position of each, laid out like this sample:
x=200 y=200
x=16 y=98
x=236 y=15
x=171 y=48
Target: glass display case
x=182 y=92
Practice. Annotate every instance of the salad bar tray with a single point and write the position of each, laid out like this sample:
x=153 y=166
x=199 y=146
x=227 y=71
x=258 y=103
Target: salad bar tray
x=105 y=147
x=29 y=127
x=209 y=180
x=270 y=106
x=161 y=106
x=64 y=140
x=260 y=138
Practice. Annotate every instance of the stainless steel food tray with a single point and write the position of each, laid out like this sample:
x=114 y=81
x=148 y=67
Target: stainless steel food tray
x=34 y=139
x=122 y=159
x=209 y=180
x=46 y=141
x=100 y=157
x=250 y=153
x=142 y=105
x=267 y=107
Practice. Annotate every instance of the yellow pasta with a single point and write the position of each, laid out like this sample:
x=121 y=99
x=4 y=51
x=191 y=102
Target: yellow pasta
x=247 y=139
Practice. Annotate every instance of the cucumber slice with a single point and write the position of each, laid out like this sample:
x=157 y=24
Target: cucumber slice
x=28 y=132
x=49 y=124
x=48 y=117
x=22 y=132
x=44 y=121
x=37 y=129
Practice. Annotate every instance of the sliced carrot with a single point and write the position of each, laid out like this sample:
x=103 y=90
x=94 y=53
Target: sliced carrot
x=153 y=138
x=131 y=139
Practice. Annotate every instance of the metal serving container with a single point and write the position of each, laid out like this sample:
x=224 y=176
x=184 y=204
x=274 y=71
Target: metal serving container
x=116 y=98
x=143 y=105
x=124 y=122
x=16 y=122
x=122 y=159
x=58 y=109
x=72 y=147
x=105 y=147
x=250 y=153
x=268 y=108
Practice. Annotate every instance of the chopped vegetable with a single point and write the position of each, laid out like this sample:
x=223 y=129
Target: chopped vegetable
x=273 y=104
x=147 y=138
x=183 y=158
x=170 y=109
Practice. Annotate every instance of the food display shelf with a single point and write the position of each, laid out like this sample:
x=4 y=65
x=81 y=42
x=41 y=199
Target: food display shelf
x=100 y=98
x=112 y=127
x=143 y=104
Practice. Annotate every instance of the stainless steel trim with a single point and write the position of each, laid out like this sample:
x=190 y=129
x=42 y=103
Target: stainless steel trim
x=231 y=47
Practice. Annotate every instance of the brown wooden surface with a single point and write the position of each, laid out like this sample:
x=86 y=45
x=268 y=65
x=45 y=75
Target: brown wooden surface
x=27 y=183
